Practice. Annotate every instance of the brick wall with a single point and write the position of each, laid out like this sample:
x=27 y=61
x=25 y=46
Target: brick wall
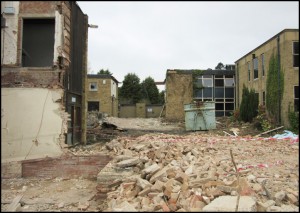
x=35 y=78
x=65 y=166
x=39 y=7
x=11 y=170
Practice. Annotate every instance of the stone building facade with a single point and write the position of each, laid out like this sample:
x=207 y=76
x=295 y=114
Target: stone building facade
x=214 y=85
x=102 y=94
x=252 y=70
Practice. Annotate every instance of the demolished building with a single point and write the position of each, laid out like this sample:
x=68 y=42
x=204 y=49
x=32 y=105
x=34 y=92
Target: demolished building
x=43 y=72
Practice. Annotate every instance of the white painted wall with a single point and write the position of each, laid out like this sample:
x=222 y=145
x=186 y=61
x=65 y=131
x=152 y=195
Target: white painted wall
x=114 y=88
x=9 y=34
x=27 y=113
x=58 y=36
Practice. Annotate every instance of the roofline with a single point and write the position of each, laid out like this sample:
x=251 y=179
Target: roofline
x=102 y=76
x=205 y=72
x=281 y=32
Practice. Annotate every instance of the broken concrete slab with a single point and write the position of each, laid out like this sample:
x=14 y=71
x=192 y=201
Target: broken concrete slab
x=128 y=162
x=228 y=203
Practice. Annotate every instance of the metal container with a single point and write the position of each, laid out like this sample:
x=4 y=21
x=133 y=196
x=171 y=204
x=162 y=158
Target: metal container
x=200 y=116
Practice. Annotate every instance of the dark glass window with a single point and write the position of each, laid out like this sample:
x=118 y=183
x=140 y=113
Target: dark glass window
x=263 y=64
x=229 y=93
x=219 y=82
x=207 y=92
x=219 y=106
x=229 y=106
x=219 y=92
x=296 y=54
x=255 y=68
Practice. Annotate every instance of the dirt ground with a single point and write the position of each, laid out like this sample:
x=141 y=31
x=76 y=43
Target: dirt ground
x=81 y=194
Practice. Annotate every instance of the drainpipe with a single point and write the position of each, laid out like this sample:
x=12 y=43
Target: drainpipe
x=237 y=98
x=84 y=77
x=278 y=72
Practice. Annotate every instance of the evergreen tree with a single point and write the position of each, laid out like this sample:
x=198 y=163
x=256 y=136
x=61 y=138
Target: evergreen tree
x=106 y=72
x=249 y=105
x=162 y=97
x=131 y=88
x=150 y=91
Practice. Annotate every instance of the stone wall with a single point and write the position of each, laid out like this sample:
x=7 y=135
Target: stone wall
x=179 y=91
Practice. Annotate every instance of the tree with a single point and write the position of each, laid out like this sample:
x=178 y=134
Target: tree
x=150 y=91
x=220 y=66
x=162 y=97
x=131 y=88
x=102 y=71
x=249 y=105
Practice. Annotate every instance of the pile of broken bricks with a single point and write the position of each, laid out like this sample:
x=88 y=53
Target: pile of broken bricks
x=194 y=172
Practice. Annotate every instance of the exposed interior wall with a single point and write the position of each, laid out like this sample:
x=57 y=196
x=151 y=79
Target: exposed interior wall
x=31 y=122
x=9 y=34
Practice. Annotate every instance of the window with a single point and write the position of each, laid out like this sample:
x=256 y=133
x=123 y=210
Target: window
x=219 y=82
x=249 y=71
x=262 y=64
x=229 y=92
x=296 y=98
x=38 y=42
x=204 y=87
x=229 y=82
x=93 y=86
x=255 y=68
x=264 y=98
x=219 y=92
x=296 y=54
x=93 y=105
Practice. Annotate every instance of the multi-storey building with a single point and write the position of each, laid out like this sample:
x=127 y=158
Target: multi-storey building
x=252 y=71
x=102 y=94
x=44 y=48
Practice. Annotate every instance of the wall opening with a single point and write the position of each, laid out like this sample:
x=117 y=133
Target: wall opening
x=93 y=106
x=38 y=42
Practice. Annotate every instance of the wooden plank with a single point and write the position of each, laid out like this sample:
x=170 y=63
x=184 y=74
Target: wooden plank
x=269 y=131
x=15 y=204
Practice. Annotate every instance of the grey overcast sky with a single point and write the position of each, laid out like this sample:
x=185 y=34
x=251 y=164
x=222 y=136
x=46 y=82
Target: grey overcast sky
x=147 y=38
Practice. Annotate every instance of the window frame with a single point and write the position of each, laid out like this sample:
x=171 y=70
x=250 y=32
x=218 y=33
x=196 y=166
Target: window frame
x=249 y=71
x=263 y=65
x=255 y=68
x=296 y=99
x=96 y=87
x=295 y=55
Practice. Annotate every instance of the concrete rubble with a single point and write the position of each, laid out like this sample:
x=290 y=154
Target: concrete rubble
x=194 y=172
